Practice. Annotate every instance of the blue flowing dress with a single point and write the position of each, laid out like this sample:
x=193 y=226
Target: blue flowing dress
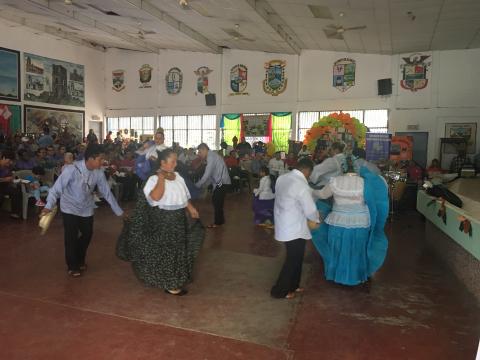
x=352 y=254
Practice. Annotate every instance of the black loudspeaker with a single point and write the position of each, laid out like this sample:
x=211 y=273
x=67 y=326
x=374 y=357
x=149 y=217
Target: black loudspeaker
x=210 y=99
x=385 y=87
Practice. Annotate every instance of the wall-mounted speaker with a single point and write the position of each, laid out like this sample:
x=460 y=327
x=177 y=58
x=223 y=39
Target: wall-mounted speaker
x=210 y=99
x=385 y=87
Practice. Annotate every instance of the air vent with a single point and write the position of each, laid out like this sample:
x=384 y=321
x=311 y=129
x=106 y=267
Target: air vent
x=320 y=12
x=106 y=12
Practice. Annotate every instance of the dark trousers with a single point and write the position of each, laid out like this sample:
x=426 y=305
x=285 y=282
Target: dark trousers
x=218 y=199
x=78 y=232
x=14 y=192
x=291 y=273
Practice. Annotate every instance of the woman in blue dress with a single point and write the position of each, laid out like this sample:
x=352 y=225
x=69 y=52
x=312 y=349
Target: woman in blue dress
x=352 y=240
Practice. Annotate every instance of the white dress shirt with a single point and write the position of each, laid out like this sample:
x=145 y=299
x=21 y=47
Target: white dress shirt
x=293 y=206
x=329 y=168
x=176 y=193
x=264 y=190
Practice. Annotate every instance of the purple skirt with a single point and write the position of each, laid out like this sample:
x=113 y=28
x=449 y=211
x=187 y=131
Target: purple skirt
x=262 y=210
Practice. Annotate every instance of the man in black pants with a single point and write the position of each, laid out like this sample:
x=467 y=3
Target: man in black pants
x=294 y=207
x=216 y=174
x=7 y=186
x=75 y=187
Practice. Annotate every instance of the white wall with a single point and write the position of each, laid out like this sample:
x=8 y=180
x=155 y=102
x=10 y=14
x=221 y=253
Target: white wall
x=452 y=94
x=25 y=40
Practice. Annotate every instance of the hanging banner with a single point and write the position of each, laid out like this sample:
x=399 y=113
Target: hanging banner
x=145 y=73
x=377 y=146
x=174 y=81
x=344 y=74
x=414 y=72
x=275 y=81
x=202 y=80
x=118 y=80
x=238 y=80
x=255 y=125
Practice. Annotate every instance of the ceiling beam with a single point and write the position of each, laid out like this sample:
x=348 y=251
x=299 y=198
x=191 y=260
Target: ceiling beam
x=50 y=30
x=76 y=15
x=267 y=13
x=154 y=11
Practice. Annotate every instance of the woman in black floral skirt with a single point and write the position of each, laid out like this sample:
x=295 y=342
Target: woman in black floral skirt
x=158 y=240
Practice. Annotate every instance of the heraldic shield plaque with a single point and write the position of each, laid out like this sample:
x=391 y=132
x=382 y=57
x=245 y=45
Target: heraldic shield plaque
x=275 y=81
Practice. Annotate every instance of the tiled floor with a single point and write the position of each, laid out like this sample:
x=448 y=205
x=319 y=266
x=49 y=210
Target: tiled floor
x=415 y=309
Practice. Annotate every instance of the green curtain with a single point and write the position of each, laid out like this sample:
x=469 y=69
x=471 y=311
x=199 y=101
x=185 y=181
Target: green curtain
x=231 y=127
x=281 y=128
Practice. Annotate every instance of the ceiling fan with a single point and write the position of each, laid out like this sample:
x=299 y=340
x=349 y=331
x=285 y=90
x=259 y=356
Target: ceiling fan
x=236 y=35
x=337 y=31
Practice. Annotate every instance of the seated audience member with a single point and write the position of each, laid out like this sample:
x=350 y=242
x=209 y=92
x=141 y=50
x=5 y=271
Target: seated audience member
x=36 y=185
x=304 y=152
x=50 y=160
x=246 y=163
x=80 y=152
x=414 y=171
x=434 y=168
x=108 y=139
x=7 y=185
x=41 y=157
x=67 y=159
x=263 y=199
x=257 y=163
x=276 y=166
x=459 y=161
x=24 y=162
x=291 y=161
x=232 y=161
x=259 y=147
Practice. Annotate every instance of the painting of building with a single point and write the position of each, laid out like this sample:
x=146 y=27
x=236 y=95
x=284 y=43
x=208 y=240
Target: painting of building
x=53 y=81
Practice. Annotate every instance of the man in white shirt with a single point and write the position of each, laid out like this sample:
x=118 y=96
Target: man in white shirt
x=294 y=206
x=276 y=165
x=330 y=167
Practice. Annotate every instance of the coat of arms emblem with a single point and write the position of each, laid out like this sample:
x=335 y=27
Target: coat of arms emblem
x=344 y=74
x=202 y=80
x=275 y=82
x=174 y=81
x=118 y=80
x=238 y=79
x=145 y=73
x=414 y=72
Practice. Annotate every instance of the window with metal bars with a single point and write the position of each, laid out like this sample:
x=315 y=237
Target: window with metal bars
x=189 y=130
x=139 y=125
x=376 y=120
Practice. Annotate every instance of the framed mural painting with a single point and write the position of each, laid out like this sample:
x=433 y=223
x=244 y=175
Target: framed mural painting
x=53 y=81
x=468 y=131
x=9 y=74
x=36 y=118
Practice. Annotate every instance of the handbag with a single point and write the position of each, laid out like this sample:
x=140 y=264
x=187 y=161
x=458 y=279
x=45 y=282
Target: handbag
x=46 y=220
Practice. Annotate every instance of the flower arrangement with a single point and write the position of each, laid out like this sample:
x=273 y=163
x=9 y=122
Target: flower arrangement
x=328 y=128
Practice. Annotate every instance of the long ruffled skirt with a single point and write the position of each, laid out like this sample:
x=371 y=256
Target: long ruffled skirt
x=161 y=245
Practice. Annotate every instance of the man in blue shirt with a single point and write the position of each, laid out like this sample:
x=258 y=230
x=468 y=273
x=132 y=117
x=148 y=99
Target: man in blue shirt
x=216 y=174
x=75 y=187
